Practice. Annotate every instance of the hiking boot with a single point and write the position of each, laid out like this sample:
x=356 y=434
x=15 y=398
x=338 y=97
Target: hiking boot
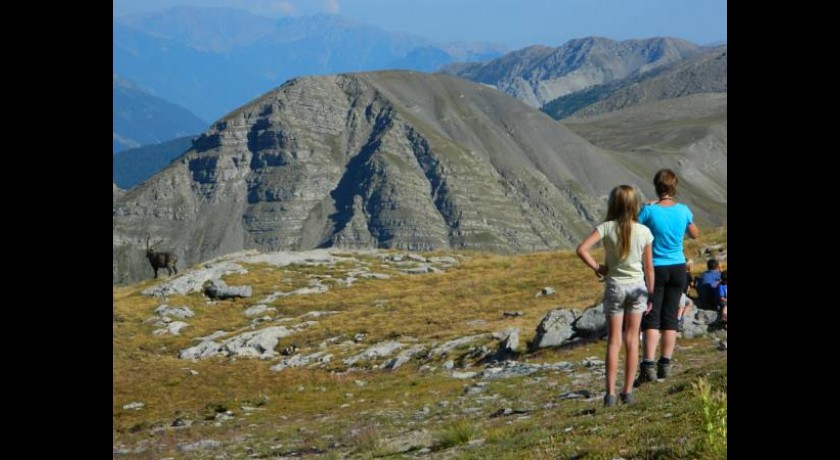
x=609 y=400
x=626 y=398
x=647 y=373
x=663 y=370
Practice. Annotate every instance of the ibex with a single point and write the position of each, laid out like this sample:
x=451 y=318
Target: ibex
x=158 y=260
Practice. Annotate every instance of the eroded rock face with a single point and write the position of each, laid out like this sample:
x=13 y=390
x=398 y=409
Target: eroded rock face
x=387 y=159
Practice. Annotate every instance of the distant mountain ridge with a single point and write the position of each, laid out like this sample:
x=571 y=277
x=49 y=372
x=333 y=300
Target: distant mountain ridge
x=204 y=51
x=135 y=165
x=141 y=118
x=704 y=73
x=539 y=74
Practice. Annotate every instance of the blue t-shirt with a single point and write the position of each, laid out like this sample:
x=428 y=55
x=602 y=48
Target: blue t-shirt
x=708 y=278
x=707 y=287
x=668 y=225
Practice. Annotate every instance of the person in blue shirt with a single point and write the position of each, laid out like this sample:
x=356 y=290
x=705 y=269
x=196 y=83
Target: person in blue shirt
x=707 y=285
x=721 y=298
x=668 y=221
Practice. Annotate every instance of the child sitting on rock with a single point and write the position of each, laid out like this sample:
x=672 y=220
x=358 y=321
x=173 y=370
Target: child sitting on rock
x=722 y=298
x=707 y=284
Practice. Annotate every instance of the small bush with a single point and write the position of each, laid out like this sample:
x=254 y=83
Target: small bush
x=457 y=433
x=368 y=441
x=714 y=417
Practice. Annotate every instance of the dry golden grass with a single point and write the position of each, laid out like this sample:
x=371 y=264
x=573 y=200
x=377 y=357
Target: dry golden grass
x=318 y=409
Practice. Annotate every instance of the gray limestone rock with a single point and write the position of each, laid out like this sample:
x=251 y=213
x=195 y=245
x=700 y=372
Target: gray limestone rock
x=444 y=260
x=463 y=375
x=380 y=350
x=219 y=290
x=173 y=328
x=451 y=345
x=199 y=445
x=592 y=323
x=300 y=361
x=404 y=356
x=193 y=281
x=555 y=328
x=509 y=369
x=254 y=344
x=509 y=343
x=257 y=310
x=179 y=312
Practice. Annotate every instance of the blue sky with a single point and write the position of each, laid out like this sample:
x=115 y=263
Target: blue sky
x=513 y=22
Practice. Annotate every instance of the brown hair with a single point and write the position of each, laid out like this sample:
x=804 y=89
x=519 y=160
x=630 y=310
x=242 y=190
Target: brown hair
x=623 y=208
x=665 y=182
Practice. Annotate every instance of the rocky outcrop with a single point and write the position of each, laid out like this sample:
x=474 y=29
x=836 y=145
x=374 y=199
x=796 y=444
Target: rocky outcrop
x=379 y=350
x=387 y=159
x=700 y=322
x=118 y=192
x=255 y=344
x=178 y=312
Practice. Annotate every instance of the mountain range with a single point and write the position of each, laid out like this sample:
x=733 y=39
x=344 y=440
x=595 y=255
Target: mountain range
x=393 y=159
x=539 y=74
x=135 y=165
x=703 y=73
x=212 y=60
x=141 y=118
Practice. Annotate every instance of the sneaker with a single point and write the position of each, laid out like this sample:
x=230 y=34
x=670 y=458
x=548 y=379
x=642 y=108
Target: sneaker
x=680 y=325
x=663 y=371
x=647 y=373
x=626 y=398
x=609 y=400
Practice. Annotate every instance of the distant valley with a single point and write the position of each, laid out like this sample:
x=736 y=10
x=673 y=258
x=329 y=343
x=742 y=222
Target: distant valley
x=141 y=118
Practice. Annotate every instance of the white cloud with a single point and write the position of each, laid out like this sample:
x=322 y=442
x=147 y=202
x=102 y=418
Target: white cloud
x=332 y=6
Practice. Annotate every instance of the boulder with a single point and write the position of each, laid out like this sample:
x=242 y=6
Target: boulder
x=555 y=328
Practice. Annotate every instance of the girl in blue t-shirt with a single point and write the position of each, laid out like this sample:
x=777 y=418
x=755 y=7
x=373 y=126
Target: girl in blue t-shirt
x=669 y=221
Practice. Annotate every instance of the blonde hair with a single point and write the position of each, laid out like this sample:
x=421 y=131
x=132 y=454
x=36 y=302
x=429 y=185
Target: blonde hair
x=623 y=208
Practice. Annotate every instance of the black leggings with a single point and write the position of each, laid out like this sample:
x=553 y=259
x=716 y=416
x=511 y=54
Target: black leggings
x=668 y=283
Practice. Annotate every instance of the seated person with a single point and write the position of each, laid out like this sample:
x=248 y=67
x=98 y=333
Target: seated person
x=722 y=297
x=707 y=284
